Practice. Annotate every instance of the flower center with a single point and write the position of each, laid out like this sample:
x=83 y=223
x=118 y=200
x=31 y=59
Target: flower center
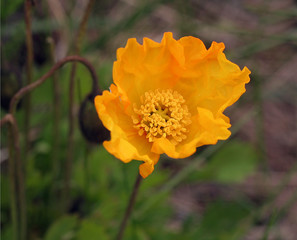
x=162 y=114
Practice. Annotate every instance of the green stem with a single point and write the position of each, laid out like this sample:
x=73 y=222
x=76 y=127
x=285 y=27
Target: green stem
x=13 y=191
x=19 y=164
x=71 y=114
x=271 y=222
x=86 y=168
x=29 y=71
x=129 y=208
x=82 y=26
x=68 y=162
x=56 y=121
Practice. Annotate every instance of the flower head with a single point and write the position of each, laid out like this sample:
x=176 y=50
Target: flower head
x=168 y=97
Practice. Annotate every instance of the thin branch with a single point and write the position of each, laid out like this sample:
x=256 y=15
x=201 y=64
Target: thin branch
x=70 y=140
x=16 y=178
x=82 y=26
x=56 y=118
x=23 y=91
x=129 y=208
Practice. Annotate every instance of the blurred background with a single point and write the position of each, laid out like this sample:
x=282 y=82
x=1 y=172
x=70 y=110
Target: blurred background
x=242 y=188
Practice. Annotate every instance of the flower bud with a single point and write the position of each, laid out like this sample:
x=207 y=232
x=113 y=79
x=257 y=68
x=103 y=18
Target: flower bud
x=90 y=125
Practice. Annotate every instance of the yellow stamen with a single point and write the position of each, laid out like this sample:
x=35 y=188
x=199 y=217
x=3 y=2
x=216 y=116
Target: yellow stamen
x=163 y=113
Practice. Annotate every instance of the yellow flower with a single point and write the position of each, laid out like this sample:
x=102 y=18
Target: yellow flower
x=168 y=97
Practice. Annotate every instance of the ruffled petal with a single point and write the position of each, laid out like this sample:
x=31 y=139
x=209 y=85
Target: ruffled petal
x=212 y=129
x=204 y=130
x=210 y=80
x=163 y=145
x=175 y=49
x=125 y=143
x=140 y=68
x=193 y=49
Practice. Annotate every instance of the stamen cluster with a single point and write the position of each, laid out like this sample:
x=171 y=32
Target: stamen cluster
x=163 y=113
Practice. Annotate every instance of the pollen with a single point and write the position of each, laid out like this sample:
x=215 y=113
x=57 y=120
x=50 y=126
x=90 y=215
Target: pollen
x=162 y=113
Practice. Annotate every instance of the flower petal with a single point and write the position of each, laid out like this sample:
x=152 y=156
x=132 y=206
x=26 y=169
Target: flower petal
x=175 y=48
x=146 y=169
x=140 y=68
x=194 y=49
x=125 y=143
x=204 y=130
x=210 y=80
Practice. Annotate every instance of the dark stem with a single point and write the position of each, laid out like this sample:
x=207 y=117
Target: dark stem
x=56 y=120
x=16 y=176
x=82 y=26
x=29 y=71
x=87 y=150
x=16 y=171
x=20 y=171
x=68 y=162
x=129 y=208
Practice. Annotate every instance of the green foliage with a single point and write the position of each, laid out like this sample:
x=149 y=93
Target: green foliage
x=105 y=76
x=9 y=7
x=7 y=233
x=231 y=164
x=91 y=230
x=222 y=221
x=62 y=229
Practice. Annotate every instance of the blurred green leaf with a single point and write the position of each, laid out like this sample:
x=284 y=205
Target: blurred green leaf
x=232 y=164
x=221 y=221
x=155 y=180
x=7 y=233
x=9 y=7
x=105 y=74
x=37 y=182
x=141 y=234
x=91 y=231
x=6 y=227
x=62 y=229
x=151 y=224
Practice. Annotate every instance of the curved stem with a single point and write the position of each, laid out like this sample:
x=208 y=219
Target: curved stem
x=18 y=201
x=15 y=99
x=129 y=208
